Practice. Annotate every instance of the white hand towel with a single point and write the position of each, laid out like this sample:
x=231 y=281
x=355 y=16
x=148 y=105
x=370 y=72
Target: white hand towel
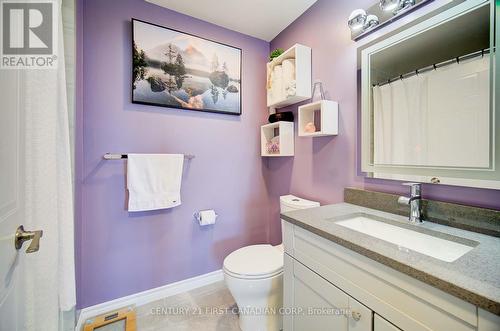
x=154 y=181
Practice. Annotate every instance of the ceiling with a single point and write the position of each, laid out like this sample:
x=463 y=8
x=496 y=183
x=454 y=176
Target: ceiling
x=263 y=19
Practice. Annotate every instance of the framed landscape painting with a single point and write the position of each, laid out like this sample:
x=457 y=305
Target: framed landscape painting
x=178 y=70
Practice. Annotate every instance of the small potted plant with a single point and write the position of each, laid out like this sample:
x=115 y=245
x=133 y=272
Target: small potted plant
x=274 y=54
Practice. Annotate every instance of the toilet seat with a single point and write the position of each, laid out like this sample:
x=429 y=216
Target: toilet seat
x=254 y=262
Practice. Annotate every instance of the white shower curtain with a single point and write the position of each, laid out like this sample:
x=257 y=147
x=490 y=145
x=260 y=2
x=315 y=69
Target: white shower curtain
x=400 y=116
x=437 y=118
x=49 y=288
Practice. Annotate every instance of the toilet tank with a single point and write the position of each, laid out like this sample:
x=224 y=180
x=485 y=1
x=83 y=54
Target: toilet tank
x=291 y=202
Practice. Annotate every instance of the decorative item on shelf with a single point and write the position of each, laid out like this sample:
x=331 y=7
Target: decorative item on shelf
x=319 y=94
x=274 y=54
x=286 y=116
x=277 y=139
x=310 y=127
x=273 y=146
x=318 y=119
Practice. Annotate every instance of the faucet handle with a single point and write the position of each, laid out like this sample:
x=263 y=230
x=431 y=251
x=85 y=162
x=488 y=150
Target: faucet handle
x=411 y=184
x=415 y=188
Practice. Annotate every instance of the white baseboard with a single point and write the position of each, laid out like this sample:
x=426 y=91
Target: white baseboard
x=148 y=296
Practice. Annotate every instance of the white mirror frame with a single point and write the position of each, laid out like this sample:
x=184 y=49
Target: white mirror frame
x=470 y=177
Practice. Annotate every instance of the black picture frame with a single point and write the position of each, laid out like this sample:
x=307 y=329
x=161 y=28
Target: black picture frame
x=234 y=81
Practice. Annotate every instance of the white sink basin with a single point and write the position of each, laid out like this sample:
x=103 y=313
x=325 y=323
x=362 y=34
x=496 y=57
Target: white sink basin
x=429 y=245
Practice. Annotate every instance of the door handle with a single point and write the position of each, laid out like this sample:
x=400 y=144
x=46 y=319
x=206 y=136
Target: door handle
x=22 y=236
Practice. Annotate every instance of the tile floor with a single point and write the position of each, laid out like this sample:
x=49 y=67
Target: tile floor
x=207 y=308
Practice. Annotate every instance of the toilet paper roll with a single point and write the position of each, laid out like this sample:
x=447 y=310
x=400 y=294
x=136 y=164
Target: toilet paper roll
x=207 y=217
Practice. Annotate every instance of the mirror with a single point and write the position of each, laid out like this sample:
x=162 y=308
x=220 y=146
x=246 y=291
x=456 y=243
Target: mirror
x=428 y=100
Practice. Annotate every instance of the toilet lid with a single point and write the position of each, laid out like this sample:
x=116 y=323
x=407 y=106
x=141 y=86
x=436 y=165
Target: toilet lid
x=255 y=260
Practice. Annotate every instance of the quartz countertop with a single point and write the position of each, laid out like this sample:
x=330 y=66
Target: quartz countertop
x=474 y=277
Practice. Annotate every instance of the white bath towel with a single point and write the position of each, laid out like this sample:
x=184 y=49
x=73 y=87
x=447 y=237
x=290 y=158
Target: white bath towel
x=291 y=89
x=277 y=83
x=154 y=181
x=288 y=71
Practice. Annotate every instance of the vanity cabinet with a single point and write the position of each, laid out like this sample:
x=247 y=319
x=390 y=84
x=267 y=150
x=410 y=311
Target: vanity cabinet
x=322 y=274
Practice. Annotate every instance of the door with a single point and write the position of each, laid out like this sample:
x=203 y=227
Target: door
x=11 y=198
x=11 y=201
x=12 y=204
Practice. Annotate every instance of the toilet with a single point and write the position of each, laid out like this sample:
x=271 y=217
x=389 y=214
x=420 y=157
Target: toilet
x=254 y=276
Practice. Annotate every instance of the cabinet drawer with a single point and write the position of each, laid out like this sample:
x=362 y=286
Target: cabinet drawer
x=401 y=299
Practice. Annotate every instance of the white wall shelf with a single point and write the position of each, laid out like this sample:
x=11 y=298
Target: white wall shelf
x=302 y=56
x=324 y=114
x=286 y=138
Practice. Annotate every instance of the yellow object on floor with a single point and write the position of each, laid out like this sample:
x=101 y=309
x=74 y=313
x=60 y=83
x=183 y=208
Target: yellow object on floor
x=126 y=315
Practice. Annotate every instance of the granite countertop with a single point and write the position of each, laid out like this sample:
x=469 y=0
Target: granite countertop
x=474 y=277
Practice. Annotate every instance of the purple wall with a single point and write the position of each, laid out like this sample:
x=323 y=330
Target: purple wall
x=322 y=167
x=120 y=253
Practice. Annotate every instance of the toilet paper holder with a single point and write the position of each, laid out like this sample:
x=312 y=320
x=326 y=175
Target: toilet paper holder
x=197 y=216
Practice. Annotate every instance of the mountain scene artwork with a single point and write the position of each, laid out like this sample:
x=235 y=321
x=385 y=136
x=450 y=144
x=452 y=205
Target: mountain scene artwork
x=179 y=70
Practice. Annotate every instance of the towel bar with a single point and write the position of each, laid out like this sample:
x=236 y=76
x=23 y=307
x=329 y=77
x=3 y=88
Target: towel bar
x=115 y=156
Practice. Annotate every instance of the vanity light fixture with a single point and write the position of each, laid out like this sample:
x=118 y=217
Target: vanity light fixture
x=405 y=4
x=379 y=14
x=357 y=20
x=396 y=6
x=389 y=5
x=371 y=21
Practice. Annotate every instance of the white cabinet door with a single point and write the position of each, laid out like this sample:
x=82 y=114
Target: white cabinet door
x=381 y=324
x=312 y=303
x=488 y=321
x=317 y=302
x=361 y=317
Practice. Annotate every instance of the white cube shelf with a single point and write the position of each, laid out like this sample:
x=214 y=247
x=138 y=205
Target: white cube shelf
x=286 y=140
x=302 y=56
x=323 y=114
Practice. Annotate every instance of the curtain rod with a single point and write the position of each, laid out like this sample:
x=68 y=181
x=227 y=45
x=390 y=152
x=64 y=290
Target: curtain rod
x=436 y=66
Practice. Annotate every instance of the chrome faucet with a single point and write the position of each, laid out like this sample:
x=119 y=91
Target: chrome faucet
x=415 y=202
